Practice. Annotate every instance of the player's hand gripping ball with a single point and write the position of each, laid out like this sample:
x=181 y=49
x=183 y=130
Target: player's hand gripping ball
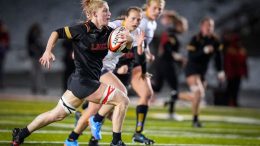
x=115 y=41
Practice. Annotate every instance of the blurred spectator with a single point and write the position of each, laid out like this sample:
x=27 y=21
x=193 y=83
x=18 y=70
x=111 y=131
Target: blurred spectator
x=35 y=50
x=235 y=62
x=68 y=61
x=4 y=46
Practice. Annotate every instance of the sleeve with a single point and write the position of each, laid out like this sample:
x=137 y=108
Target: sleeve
x=143 y=25
x=114 y=24
x=70 y=32
x=219 y=59
x=193 y=50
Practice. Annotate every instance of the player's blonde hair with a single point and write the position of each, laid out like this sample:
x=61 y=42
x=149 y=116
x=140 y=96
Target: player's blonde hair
x=89 y=6
x=148 y=2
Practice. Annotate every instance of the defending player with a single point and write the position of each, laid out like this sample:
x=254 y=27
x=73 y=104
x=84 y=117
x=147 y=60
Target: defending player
x=137 y=74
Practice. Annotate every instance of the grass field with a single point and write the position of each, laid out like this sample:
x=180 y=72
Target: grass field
x=222 y=126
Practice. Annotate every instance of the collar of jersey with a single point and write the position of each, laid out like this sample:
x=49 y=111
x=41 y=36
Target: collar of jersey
x=93 y=27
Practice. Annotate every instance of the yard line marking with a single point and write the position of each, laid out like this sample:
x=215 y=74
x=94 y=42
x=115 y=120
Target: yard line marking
x=153 y=133
x=214 y=118
x=156 y=144
x=151 y=129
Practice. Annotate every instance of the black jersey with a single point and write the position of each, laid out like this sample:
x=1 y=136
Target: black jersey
x=127 y=59
x=196 y=53
x=170 y=47
x=90 y=47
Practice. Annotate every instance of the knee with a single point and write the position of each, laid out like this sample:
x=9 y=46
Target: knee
x=124 y=99
x=197 y=93
x=124 y=90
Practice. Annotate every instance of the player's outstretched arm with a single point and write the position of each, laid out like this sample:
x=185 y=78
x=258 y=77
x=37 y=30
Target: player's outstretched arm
x=48 y=56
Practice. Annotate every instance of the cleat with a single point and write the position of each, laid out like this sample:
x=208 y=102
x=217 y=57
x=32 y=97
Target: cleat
x=176 y=117
x=93 y=142
x=77 y=116
x=138 y=137
x=71 y=143
x=95 y=128
x=17 y=140
x=197 y=124
x=119 y=143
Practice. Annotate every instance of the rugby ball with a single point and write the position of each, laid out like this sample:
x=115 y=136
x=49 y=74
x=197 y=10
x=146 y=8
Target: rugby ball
x=113 y=41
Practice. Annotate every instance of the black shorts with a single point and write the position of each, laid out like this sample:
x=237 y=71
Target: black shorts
x=140 y=60
x=124 y=78
x=82 y=87
x=195 y=69
x=104 y=71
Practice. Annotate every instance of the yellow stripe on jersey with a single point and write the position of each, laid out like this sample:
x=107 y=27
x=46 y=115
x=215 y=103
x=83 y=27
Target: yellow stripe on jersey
x=191 y=48
x=67 y=31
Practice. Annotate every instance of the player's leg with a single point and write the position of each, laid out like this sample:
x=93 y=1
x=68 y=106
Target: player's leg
x=82 y=125
x=172 y=79
x=66 y=106
x=142 y=86
x=158 y=78
x=112 y=98
x=196 y=92
x=108 y=78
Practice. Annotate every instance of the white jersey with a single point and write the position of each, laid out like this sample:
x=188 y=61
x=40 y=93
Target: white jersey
x=149 y=27
x=112 y=58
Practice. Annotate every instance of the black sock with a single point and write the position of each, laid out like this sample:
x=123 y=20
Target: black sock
x=98 y=118
x=84 y=105
x=195 y=118
x=24 y=133
x=174 y=97
x=73 y=136
x=116 y=137
x=141 y=112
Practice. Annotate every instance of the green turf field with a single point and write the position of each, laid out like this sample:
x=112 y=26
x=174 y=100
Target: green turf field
x=222 y=126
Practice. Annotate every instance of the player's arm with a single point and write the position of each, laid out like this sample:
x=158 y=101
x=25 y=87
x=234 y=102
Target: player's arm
x=48 y=56
x=149 y=56
x=140 y=42
x=65 y=32
x=219 y=60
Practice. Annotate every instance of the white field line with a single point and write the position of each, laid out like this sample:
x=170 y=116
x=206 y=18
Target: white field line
x=107 y=128
x=155 y=133
x=214 y=118
x=129 y=144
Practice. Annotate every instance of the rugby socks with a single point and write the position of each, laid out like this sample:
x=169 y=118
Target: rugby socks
x=24 y=133
x=98 y=118
x=174 y=97
x=195 y=118
x=84 y=105
x=116 y=137
x=141 y=112
x=73 y=136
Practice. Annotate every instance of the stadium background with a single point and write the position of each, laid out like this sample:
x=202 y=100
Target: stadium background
x=241 y=15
